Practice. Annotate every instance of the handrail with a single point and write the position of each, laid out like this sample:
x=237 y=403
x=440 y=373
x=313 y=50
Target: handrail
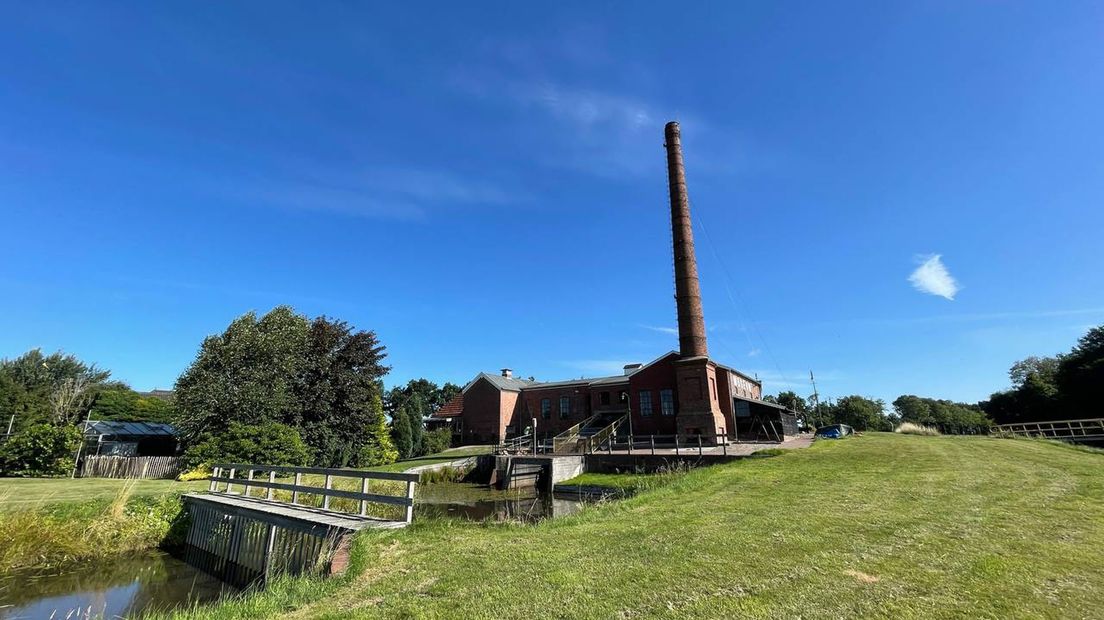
x=607 y=432
x=1087 y=428
x=571 y=434
x=219 y=476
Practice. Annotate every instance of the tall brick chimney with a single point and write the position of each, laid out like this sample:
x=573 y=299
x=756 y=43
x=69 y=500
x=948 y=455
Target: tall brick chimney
x=691 y=319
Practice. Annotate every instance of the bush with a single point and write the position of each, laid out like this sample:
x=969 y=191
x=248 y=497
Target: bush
x=437 y=440
x=41 y=450
x=262 y=444
x=199 y=472
x=909 y=428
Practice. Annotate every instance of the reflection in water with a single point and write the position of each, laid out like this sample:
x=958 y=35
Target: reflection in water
x=122 y=587
x=475 y=502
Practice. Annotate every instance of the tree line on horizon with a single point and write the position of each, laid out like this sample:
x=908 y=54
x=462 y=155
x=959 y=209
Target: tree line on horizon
x=1060 y=387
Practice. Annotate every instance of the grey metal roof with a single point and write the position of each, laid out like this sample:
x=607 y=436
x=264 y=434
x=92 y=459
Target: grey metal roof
x=503 y=383
x=763 y=402
x=132 y=429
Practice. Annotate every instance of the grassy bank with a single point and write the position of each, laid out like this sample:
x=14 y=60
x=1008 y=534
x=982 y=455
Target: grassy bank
x=54 y=534
x=882 y=525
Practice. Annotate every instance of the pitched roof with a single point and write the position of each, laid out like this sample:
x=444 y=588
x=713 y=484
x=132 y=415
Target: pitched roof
x=132 y=429
x=508 y=384
x=452 y=408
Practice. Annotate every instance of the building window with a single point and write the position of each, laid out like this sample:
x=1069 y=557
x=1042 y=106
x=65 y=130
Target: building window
x=645 y=402
x=713 y=387
x=667 y=402
x=565 y=406
x=546 y=408
x=603 y=398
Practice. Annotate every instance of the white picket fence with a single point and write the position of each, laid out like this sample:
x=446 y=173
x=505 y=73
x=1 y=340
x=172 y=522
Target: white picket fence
x=147 y=467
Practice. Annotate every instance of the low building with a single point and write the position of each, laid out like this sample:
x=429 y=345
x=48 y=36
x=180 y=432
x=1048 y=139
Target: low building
x=110 y=438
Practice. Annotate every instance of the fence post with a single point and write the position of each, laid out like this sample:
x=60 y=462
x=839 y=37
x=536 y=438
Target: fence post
x=676 y=444
x=326 y=496
x=230 y=477
x=699 y=446
x=214 y=474
x=410 y=496
x=249 y=479
x=295 y=492
x=724 y=445
x=651 y=441
x=363 y=502
x=271 y=480
x=630 y=444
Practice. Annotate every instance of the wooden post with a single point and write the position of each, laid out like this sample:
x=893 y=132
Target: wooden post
x=326 y=496
x=724 y=445
x=214 y=474
x=249 y=478
x=699 y=445
x=231 y=477
x=630 y=443
x=271 y=480
x=364 y=503
x=676 y=444
x=270 y=542
x=410 y=495
x=295 y=493
x=651 y=440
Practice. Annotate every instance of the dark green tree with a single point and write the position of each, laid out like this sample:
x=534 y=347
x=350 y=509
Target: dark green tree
x=1080 y=376
x=125 y=405
x=401 y=435
x=247 y=374
x=862 y=414
x=378 y=448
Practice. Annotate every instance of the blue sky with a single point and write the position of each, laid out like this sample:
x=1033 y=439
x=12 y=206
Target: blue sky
x=485 y=186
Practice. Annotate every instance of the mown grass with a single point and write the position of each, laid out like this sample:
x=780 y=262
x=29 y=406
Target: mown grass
x=883 y=525
x=32 y=493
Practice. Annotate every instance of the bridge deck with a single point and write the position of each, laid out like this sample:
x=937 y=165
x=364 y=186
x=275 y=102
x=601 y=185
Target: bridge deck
x=291 y=514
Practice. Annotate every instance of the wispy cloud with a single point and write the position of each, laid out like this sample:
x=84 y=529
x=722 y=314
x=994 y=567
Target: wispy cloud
x=597 y=366
x=397 y=193
x=663 y=330
x=932 y=277
x=754 y=352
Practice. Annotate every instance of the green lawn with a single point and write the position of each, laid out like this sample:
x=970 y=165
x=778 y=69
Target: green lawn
x=26 y=493
x=880 y=526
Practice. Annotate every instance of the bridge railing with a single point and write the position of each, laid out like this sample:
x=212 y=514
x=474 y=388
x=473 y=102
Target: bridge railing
x=1091 y=428
x=229 y=475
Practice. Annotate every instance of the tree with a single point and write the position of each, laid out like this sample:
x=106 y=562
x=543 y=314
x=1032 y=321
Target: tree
x=247 y=374
x=400 y=434
x=416 y=401
x=40 y=450
x=125 y=405
x=949 y=417
x=862 y=414
x=55 y=388
x=1080 y=375
x=318 y=376
x=269 y=444
x=338 y=383
x=378 y=449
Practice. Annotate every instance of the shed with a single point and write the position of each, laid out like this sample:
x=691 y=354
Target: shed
x=111 y=438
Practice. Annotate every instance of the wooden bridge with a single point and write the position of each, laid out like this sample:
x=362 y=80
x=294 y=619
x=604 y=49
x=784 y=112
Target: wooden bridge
x=301 y=524
x=1077 y=431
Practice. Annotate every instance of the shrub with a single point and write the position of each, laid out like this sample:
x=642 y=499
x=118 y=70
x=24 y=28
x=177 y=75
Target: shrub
x=199 y=472
x=909 y=428
x=437 y=440
x=263 y=444
x=41 y=450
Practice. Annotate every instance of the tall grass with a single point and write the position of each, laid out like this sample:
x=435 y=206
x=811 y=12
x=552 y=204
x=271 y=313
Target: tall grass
x=46 y=535
x=910 y=428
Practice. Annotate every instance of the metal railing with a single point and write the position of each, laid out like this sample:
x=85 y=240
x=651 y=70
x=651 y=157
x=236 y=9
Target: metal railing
x=570 y=437
x=224 y=473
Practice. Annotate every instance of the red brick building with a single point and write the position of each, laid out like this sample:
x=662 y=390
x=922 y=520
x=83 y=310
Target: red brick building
x=684 y=392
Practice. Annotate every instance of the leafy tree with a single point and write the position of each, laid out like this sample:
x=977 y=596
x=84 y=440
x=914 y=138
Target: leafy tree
x=337 y=390
x=438 y=440
x=378 y=449
x=125 y=405
x=269 y=443
x=400 y=435
x=39 y=388
x=416 y=401
x=247 y=374
x=1080 y=375
x=862 y=414
x=949 y=417
x=40 y=450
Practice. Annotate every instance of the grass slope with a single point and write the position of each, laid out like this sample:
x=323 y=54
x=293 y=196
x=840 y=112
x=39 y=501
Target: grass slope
x=883 y=526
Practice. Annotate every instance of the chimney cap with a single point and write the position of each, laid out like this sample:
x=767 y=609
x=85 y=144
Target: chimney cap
x=508 y=373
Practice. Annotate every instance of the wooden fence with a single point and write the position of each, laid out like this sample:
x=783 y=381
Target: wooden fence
x=1091 y=429
x=146 y=467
